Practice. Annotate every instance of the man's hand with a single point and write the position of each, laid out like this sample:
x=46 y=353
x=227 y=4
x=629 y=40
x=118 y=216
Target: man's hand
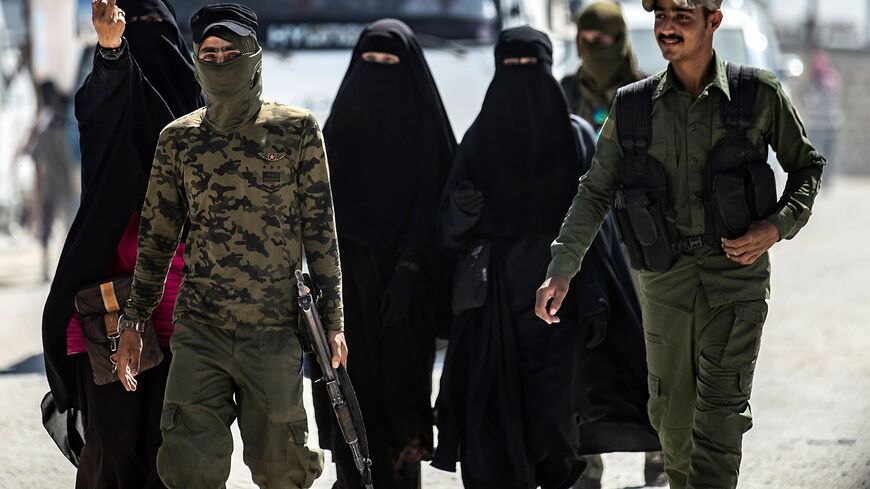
x=127 y=358
x=555 y=288
x=109 y=23
x=747 y=248
x=338 y=347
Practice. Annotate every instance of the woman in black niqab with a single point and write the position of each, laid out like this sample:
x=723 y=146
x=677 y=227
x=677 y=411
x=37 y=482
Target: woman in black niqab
x=121 y=108
x=512 y=386
x=390 y=145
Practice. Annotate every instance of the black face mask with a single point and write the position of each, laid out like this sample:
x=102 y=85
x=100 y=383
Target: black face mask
x=521 y=151
x=389 y=143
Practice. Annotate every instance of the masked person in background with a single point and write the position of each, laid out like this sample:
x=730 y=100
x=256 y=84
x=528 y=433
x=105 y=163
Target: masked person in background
x=391 y=146
x=608 y=62
x=142 y=78
x=506 y=408
x=250 y=178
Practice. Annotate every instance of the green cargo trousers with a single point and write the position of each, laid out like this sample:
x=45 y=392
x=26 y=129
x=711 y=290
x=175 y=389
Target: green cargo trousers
x=218 y=375
x=701 y=365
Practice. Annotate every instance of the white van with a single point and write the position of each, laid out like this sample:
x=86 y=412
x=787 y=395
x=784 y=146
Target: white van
x=307 y=43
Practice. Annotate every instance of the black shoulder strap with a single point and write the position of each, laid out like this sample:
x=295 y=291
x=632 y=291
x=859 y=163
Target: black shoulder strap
x=634 y=115
x=742 y=83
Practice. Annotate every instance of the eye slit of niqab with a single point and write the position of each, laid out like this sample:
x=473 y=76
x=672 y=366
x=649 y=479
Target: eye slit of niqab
x=380 y=58
x=524 y=60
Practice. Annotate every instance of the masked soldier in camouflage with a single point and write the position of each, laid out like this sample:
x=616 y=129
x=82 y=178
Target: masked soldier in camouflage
x=682 y=158
x=250 y=179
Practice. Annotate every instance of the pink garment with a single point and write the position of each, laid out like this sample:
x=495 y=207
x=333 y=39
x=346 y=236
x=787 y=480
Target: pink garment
x=125 y=262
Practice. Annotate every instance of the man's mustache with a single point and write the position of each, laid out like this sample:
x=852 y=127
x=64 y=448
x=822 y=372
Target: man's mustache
x=670 y=38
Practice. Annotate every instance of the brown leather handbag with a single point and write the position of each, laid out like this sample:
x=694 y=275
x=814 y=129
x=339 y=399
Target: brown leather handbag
x=99 y=308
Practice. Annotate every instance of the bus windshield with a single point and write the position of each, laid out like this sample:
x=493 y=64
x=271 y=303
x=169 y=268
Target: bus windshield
x=331 y=24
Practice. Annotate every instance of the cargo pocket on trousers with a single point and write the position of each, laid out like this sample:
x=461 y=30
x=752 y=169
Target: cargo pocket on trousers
x=657 y=404
x=309 y=462
x=744 y=340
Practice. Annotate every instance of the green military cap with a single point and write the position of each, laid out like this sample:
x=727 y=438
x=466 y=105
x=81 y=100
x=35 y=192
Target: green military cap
x=711 y=5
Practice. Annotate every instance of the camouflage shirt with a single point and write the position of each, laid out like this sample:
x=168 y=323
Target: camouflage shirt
x=254 y=198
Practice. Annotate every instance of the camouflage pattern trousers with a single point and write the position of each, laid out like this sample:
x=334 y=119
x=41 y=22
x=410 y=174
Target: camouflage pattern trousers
x=218 y=375
x=701 y=364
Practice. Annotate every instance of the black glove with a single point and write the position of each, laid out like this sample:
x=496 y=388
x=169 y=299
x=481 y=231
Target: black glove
x=466 y=198
x=396 y=303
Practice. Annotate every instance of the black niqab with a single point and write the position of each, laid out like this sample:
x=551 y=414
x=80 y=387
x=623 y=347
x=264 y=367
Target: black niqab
x=161 y=53
x=387 y=176
x=521 y=152
x=121 y=108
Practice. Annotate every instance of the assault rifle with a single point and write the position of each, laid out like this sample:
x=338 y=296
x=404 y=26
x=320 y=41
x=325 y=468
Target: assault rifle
x=338 y=386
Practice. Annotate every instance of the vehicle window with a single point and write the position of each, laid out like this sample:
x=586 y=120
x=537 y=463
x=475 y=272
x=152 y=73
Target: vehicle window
x=729 y=43
x=295 y=24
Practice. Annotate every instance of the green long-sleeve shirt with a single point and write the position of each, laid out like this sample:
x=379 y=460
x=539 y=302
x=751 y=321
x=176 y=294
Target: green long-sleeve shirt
x=684 y=131
x=255 y=199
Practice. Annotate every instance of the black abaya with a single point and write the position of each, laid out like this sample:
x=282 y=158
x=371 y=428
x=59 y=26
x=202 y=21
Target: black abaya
x=390 y=146
x=510 y=392
x=120 y=114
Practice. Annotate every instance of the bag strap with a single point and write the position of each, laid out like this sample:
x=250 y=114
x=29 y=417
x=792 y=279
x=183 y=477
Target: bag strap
x=633 y=108
x=113 y=308
x=742 y=83
x=634 y=113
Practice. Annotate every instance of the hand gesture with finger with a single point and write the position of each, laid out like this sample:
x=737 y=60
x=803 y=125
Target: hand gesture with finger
x=109 y=23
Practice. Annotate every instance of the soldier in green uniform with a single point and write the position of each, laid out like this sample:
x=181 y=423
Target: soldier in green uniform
x=608 y=62
x=682 y=158
x=250 y=180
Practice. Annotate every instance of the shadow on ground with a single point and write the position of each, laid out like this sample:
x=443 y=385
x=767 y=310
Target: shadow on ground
x=31 y=365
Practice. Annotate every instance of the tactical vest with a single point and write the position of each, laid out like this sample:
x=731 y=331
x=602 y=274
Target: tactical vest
x=739 y=185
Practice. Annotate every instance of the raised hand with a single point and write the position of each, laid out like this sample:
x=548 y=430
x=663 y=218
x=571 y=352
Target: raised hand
x=109 y=22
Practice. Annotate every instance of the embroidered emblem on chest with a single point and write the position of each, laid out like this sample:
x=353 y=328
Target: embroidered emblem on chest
x=272 y=156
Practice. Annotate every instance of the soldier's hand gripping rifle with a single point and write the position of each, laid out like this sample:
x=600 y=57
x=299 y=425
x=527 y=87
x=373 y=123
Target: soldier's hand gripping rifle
x=337 y=382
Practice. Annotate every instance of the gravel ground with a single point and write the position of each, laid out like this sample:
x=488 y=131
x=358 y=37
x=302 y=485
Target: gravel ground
x=811 y=397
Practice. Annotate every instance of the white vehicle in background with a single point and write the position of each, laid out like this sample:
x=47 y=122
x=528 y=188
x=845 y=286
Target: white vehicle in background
x=307 y=43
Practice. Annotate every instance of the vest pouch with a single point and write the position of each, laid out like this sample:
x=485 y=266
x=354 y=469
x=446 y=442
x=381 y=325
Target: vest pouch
x=648 y=223
x=729 y=192
x=760 y=189
x=626 y=233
